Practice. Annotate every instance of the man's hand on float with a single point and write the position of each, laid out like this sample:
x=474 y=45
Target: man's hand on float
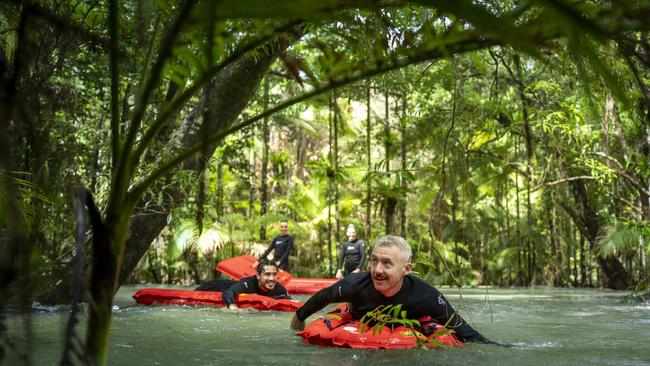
x=297 y=324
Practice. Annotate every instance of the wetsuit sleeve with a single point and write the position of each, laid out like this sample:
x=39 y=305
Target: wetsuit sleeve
x=237 y=288
x=362 y=253
x=268 y=250
x=285 y=256
x=341 y=291
x=444 y=314
x=341 y=257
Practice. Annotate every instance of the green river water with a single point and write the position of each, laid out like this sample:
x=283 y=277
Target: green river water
x=546 y=327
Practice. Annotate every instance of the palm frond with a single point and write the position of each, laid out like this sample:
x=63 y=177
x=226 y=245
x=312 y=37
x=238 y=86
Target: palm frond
x=623 y=240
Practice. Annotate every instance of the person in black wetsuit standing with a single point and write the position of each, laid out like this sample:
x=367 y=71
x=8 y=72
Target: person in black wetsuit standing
x=283 y=244
x=263 y=283
x=352 y=252
x=389 y=282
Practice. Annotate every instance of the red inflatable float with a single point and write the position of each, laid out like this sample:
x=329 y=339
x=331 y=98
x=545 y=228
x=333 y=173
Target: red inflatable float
x=242 y=266
x=148 y=296
x=338 y=329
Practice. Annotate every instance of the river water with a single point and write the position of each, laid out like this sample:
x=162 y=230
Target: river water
x=546 y=327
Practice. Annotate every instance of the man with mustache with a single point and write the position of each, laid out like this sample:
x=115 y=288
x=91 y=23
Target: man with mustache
x=263 y=283
x=389 y=282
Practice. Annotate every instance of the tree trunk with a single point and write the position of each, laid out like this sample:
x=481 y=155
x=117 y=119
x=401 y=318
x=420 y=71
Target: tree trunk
x=330 y=183
x=403 y=187
x=219 y=203
x=252 y=187
x=390 y=202
x=583 y=268
x=530 y=255
x=368 y=163
x=553 y=239
x=265 y=162
x=335 y=166
x=520 y=279
x=589 y=223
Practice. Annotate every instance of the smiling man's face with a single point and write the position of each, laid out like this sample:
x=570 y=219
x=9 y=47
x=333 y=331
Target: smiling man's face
x=267 y=278
x=388 y=268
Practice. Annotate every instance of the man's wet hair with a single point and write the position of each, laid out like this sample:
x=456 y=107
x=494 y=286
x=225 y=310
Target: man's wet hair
x=397 y=242
x=263 y=263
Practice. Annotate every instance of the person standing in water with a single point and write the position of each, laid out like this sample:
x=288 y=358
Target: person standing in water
x=352 y=253
x=282 y=244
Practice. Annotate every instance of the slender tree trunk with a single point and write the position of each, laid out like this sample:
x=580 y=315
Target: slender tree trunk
x=508 y=233
x=645 y=199
x=574 y=255
x=335 y=165
x=386 y=127
x=219 y=203
x=454 y=223
x=389 y=200
x=553 y=239
x=583 y=268
x=402 y=205
x=252 y=177
x=330 y=181
x=529 y=156
x=520 y=254
x=368 y=162
x=265 y=162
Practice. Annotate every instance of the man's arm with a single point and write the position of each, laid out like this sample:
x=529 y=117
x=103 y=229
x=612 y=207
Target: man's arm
x=341 y=291
x=444 y=314
x=341 y=256
x=268 y=250
x=339 y=275
x=228 y=295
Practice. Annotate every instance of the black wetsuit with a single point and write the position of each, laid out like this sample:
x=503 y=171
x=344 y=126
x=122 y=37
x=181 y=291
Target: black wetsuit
x=354 y=254
x=283 y=246
x=215 y=285
x=418 y=298
x=249 y=285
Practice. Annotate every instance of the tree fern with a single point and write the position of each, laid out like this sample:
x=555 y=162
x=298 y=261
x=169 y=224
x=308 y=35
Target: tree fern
x=625 y=239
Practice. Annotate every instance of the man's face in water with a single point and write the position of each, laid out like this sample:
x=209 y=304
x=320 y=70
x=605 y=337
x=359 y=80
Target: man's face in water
x=388 y=268
x=284 y=228
x=267 y=278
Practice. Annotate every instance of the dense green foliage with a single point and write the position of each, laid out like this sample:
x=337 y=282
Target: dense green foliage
x=508 y=142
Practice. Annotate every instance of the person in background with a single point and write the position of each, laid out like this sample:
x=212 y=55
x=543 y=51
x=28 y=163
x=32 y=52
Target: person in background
x=389 y=282
x=282 y=244
x=263 y=283
x=352 y=253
